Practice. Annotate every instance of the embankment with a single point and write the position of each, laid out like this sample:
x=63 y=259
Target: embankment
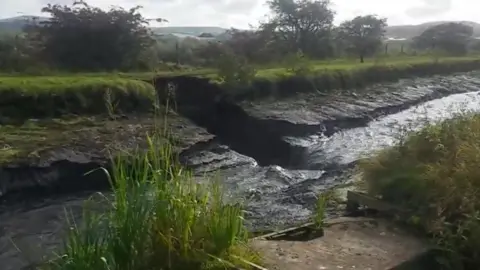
x=52 y=157
x=264 y=129
x=256 y=121
x=272 y=131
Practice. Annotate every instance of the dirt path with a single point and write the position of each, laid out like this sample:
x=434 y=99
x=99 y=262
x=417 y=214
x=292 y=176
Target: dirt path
x=361 y=244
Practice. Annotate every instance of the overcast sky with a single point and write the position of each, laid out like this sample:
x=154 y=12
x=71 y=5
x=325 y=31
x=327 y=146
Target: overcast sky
x=241 y=13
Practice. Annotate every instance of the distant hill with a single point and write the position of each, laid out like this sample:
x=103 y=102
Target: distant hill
x=15 y=24
x=189 y=30
x=409 y=31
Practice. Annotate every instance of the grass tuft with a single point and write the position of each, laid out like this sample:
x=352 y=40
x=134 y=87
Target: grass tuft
x=159 y=218
x=434 y=172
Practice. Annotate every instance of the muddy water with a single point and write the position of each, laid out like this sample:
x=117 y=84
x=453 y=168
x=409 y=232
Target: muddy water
x=348 y=146
x=274 y=196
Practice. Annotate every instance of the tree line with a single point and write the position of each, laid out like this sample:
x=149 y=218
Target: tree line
x=81 y=37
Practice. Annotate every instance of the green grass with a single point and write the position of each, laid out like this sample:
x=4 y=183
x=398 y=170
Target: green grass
x=435 y=173
x=354 y=64
x=267 y=71
x=48 y=96
x=327 y=80
x=159 y=218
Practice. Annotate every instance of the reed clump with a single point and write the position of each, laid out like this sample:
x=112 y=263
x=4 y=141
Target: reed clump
x=434 y=173
x=159 y=218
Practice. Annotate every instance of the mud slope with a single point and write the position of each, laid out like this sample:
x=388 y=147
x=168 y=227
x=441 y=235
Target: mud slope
x=50 y=157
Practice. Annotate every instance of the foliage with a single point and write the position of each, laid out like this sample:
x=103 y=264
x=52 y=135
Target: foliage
x=15 y=54
x=300 y=25
x=159 y=218
x=234 y=70
x=434 y=172
x=82 y=37
x=250 y=44
x=298 y=64
x=119 y=39
x=452 y=38
x=27 y=97
x=363 y=35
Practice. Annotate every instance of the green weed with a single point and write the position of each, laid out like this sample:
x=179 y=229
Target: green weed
x=434 y=172
x=159 y=218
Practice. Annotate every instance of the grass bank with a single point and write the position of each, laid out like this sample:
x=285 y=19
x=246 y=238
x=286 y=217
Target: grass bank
x=353 y=64
x=24 y=97
x=159 y=218
x=50 y=96
x=434 y=172
x=349 y=77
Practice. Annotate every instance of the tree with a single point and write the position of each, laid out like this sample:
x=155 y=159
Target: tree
x=363 y=35
x=14 y=53
x=300 y=25
x=82 y=37
x=452 y=38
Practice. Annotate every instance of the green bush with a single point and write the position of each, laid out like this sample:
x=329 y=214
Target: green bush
x=159 y=218
x=435 y=173
x=235 y=71
x=298 y=64
x=38 y=97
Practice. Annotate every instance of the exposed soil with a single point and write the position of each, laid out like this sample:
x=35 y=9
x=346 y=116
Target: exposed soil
x=374 y=245
x=258 y=128
x=53 y=155
x=49 y=157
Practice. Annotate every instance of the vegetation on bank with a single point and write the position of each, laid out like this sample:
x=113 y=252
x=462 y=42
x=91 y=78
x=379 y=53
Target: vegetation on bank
x=434 y=172
x=24 y=97
x=37 y=97
x=304 y=78
x=159 y=218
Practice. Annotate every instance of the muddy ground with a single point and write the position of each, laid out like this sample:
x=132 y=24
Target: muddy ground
x=51 y=156
x=349 y=244
x=43 y=159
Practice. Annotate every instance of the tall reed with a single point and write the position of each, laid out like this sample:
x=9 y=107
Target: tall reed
x=159 y=218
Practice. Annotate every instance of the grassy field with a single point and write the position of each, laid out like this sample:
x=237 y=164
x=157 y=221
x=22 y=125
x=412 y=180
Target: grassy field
x=265 y=71
x=434 y=172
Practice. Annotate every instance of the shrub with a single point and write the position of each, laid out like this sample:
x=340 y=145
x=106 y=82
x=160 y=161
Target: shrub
x=160 y=218
x=434 y=172
x=235 y=71
x=298 y=64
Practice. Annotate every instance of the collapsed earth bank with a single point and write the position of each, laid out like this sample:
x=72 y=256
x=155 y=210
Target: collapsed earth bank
x=261 y=149
x=44 y=157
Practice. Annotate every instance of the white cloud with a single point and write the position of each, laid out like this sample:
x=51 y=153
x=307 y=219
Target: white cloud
x=241 y=13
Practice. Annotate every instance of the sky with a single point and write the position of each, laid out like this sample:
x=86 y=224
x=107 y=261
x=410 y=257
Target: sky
x=242 y=13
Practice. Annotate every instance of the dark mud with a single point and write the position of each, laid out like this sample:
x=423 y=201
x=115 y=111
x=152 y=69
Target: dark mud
x=44 y=157
x=259 y=128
